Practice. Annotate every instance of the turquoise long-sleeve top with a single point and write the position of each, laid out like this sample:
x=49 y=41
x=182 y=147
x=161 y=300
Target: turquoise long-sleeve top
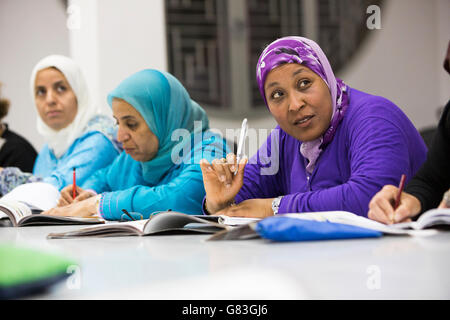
x=89 y=153
x=172 y=179
x=181 y=189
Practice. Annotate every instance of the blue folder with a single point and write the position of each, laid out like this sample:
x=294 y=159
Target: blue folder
x=293 y=229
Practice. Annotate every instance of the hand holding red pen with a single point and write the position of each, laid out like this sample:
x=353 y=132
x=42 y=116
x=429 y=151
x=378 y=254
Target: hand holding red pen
x=392 y=205
x=74 y=184
x=66 y=195
x=399 y=194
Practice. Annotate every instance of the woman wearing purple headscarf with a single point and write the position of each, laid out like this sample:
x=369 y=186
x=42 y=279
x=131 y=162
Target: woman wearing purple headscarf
x=333 y=149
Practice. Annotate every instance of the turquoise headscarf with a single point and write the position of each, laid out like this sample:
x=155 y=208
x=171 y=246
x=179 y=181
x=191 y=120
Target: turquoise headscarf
x=165 y=105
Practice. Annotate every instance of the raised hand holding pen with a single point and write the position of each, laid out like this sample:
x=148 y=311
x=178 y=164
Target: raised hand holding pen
x=223 y=178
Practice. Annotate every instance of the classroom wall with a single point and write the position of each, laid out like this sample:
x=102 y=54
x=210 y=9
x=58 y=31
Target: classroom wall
x=122 y=36
x=402 y=61
x=29 y=30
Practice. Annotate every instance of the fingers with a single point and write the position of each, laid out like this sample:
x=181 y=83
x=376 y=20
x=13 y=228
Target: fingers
x=401 y=214
x=227 y=171
x=379 y=215
x=408 y=207
x=65 y=196
x=205 y=166
x=52 y=212
x=241 y=167
x=83 y=196
x=222 y=169
x=380 y=207
x=231 y=161
x=445 y=203
x=62 y=202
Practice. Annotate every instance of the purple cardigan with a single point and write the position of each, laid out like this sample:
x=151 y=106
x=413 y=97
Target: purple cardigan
x=374 y=145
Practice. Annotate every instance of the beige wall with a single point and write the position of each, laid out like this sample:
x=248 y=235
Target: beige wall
x=403 y=61
x=29 y=30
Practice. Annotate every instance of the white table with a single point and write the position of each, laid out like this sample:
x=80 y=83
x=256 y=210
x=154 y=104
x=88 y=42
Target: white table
x=188 y=267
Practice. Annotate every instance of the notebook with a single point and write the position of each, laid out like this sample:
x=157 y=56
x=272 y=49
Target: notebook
x=23 y=205
x=167 y=222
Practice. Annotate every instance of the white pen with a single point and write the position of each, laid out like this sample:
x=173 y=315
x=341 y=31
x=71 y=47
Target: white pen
x=240 y=148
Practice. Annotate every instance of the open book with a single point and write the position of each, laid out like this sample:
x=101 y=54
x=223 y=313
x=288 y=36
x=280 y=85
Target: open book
x=428 y=219
x=24 y=204
x=167 y=222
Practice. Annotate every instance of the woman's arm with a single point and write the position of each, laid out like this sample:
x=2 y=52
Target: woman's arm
x=183 y=193
x=378 y=154
x=433 y=178
x=227 y=182
x=98 y=180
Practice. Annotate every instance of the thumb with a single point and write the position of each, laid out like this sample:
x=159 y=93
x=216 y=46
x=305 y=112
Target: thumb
x=401 y=213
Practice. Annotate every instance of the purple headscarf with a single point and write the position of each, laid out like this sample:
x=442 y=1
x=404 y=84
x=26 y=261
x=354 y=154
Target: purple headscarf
x=308 y=53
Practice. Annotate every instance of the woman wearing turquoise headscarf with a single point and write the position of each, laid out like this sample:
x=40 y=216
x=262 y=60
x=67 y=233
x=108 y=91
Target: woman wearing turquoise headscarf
x=164 y=135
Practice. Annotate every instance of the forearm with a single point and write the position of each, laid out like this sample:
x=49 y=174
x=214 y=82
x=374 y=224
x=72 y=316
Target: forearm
x=257 y=186
x=87 y=157
x=180 y=195
x=351 y=196
x=433 y=178
x=97 y=182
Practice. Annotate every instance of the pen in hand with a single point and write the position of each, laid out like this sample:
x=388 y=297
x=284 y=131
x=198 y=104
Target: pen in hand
x=241 y=143
x=74 y=184
x=399 y=195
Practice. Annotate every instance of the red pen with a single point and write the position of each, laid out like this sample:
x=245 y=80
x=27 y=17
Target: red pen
x=74 y=184
x=399 y=193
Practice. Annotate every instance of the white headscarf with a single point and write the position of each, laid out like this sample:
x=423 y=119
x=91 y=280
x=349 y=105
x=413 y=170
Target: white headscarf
x=60 y=141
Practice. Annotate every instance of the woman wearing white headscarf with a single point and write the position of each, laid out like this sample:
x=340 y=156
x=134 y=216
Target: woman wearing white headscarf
x=77 y=133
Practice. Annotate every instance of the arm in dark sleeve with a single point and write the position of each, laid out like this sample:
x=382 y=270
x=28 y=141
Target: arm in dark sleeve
x=433 y=178
x=22 y=157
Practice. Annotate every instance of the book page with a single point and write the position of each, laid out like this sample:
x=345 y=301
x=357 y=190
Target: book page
x=18 y=209
x=109 y=229
x=170 y=220
x=432 y=217
x=236 y=221
x=39 y=195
